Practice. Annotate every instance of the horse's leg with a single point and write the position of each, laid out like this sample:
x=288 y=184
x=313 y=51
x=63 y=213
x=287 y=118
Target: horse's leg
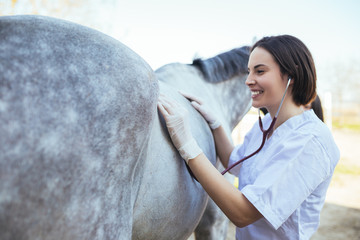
x=214 y=223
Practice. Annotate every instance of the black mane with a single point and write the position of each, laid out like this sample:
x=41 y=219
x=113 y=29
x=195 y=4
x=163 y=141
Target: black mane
x=225 y=65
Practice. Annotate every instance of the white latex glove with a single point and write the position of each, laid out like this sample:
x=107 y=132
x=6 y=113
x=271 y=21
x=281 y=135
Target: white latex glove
x=177 y=122
x=204 y=110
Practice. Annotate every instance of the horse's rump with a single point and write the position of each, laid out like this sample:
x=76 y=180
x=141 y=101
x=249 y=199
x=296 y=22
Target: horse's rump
x=75 y=106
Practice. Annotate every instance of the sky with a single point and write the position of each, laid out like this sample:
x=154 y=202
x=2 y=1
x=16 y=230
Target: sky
x=166 y=31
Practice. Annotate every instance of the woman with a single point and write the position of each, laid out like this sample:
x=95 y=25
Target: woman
x=282 y=188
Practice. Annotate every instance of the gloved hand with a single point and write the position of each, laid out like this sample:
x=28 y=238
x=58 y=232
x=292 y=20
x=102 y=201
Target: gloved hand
x=177 y=122
x=204 y=110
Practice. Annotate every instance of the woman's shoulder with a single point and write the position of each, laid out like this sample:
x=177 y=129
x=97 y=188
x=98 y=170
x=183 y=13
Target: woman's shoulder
x=311 y=127
x=309 y=123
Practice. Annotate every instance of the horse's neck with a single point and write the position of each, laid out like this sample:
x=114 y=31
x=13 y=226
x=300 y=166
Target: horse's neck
x=234 y=97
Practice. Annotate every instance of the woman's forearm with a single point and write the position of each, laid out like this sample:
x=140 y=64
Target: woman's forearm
x=229 y=199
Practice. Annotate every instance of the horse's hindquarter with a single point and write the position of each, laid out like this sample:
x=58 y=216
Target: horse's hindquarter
x=170 y=200
x=75 y=106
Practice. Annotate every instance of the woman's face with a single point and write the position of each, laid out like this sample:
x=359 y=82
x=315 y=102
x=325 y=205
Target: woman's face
x=266 y=83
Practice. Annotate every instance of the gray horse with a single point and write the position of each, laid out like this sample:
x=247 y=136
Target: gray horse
x=220 y=81
x=83 y=151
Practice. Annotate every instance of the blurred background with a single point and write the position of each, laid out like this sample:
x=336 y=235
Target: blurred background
x=165 y=31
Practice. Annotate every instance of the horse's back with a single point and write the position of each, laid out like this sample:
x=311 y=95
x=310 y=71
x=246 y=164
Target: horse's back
x=75 y=106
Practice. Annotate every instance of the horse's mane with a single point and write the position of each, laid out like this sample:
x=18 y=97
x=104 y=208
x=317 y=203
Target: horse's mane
x=225 y=65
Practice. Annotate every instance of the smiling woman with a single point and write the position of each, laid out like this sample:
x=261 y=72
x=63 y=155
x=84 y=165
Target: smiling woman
x=265 y=80
x=271 y=65
x=298 y=151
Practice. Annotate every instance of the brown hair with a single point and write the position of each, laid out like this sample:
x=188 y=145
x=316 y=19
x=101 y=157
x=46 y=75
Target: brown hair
x=294 y=59
x=317 y=107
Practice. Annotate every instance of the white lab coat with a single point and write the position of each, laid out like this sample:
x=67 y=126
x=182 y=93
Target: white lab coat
x=288 y=179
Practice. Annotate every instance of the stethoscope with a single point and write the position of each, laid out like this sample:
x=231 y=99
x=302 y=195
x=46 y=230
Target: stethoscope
x=265 y=132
